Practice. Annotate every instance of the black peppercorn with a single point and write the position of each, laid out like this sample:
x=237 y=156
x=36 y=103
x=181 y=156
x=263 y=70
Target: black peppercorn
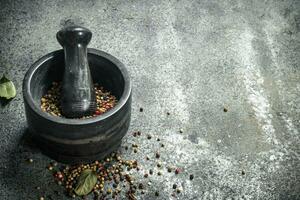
x=191 y=177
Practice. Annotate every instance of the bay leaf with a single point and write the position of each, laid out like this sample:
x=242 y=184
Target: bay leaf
x=7 y=88
x=86 y=182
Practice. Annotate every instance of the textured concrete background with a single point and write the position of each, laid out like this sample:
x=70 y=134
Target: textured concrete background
x=191 y=58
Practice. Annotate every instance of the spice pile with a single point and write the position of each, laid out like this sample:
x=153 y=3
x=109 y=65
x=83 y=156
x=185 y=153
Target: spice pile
x=103 y=178
x=50 y=102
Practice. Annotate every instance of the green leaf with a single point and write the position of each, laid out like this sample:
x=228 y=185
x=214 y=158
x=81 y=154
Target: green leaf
x=7 y=88
x=86 y=182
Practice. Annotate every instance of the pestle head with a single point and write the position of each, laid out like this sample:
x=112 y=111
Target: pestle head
x=78 y=97
x=74 y=35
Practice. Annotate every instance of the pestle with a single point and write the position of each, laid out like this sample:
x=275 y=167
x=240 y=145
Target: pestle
x=78 y=97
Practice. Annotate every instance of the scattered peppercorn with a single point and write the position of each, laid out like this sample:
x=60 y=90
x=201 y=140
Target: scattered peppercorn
x=180 y=131
x=30 y=160
x=141 y=109
x=146 y=175
x=177 y=171
x=157 y=193
x=169 y=169
x=141 y=186
x=243 y=172
x=111 y=169
x=191 y=177
x=174 y=186
x=168 y=113
x=157 y=155
x=59 y=175
x=225 y=109
x=149 y=137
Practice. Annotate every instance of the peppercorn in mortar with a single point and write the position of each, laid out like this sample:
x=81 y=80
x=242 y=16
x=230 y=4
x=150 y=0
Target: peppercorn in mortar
x=50 y=102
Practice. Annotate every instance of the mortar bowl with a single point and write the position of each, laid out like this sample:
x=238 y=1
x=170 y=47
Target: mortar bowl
x=77 y=140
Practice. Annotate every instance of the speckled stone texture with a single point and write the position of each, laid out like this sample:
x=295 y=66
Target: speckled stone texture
x=187 y=57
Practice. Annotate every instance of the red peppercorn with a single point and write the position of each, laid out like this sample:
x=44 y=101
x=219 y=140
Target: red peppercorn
x=60 y=176
x=98 y=112
x=177 y=171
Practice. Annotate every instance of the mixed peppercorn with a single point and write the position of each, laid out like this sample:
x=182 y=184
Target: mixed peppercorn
x=50 y=102
x=112 y=176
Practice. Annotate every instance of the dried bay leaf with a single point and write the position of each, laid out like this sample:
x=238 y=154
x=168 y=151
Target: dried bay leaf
x=7 y=88
x=86 y=182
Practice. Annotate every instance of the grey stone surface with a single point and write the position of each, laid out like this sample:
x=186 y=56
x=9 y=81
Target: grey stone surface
x=189 y=58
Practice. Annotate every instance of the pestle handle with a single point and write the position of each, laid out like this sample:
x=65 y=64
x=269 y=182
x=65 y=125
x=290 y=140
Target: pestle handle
x=78 y=96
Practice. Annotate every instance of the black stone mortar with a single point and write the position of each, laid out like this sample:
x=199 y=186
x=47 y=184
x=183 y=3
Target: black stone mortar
x=77 y=140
